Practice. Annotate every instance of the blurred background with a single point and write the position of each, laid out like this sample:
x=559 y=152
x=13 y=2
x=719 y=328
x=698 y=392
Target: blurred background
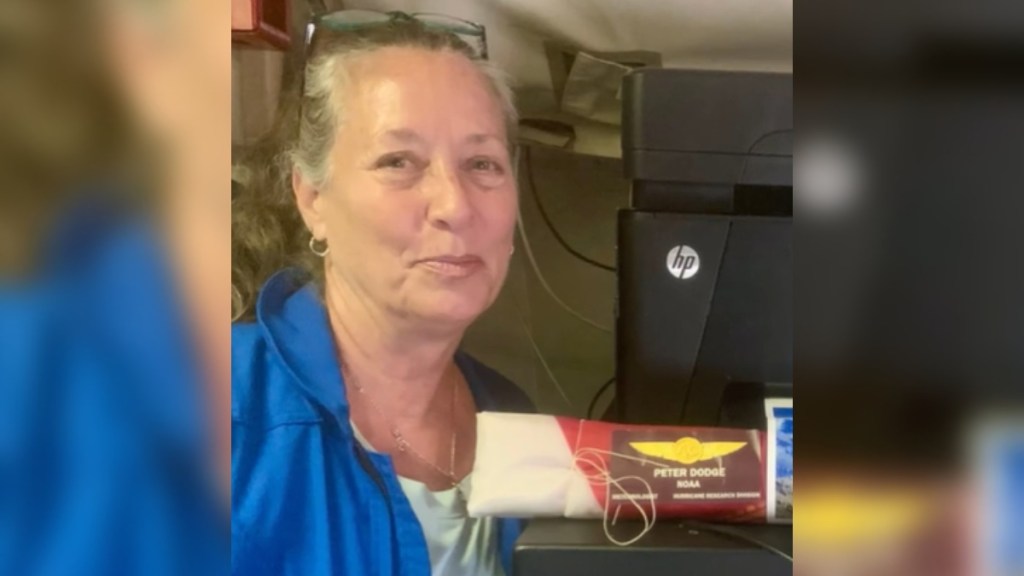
x=114 y=287
x=909 y=322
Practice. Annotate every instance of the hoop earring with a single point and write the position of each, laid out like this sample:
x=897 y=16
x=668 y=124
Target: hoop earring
x=321 y=249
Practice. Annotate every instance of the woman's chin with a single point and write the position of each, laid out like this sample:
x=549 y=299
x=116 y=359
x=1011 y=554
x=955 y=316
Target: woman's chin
x=459 y=309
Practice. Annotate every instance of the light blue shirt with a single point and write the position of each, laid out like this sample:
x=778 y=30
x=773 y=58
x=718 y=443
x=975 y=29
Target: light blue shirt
x=457 y=544
x=307 y=498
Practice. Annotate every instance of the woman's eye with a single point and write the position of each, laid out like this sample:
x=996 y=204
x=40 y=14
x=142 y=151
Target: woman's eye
x=394 y=163
x=484 y=165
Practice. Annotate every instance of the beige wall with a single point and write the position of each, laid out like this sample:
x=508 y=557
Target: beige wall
x=582 y=195
x=255 y=85
x=256 y=79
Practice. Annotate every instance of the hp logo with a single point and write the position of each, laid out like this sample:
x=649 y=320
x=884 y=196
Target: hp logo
x=683 y=262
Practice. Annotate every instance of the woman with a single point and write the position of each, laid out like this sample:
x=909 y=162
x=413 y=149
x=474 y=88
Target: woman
x=353 y=412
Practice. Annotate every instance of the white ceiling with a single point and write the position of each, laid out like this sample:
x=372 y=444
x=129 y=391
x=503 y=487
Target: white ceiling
x=721 y=34
x=705 y=34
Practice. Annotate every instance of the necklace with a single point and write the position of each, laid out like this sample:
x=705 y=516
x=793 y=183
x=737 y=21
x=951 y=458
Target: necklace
x=402 y=444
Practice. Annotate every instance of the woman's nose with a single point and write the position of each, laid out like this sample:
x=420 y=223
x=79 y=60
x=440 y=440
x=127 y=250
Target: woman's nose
x=448 y=200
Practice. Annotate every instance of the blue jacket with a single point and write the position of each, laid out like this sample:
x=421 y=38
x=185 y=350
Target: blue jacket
x=306 y=497
x=104 y=450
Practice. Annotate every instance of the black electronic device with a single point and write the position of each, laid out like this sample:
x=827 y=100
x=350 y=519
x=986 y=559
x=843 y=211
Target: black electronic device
x=704 y=316
x=704 y=313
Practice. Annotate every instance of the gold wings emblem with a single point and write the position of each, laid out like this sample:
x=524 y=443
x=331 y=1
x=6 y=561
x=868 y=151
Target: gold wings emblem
x=687 y=450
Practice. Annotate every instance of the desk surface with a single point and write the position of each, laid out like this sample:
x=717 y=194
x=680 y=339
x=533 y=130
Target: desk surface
x=672 y=547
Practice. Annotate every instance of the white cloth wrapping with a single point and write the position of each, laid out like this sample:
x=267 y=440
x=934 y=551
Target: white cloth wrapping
x=524 y=467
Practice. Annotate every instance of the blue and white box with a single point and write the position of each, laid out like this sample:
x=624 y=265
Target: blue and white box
x=779 y=413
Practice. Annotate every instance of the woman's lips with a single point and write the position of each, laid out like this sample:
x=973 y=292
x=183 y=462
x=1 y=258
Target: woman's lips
x=452 y=266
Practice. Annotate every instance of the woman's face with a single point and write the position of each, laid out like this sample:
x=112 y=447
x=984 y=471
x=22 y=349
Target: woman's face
x=421 y=204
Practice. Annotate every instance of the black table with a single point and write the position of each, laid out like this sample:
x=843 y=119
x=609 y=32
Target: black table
x=561 y=547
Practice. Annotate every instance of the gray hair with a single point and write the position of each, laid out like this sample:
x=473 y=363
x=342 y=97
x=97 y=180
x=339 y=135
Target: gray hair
x=267 y=231
x=326 y=76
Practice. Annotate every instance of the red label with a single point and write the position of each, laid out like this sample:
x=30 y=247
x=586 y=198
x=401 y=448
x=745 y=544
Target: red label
x=709 y=473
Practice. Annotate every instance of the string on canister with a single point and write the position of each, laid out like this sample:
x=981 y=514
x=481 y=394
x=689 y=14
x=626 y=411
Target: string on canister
x=601 y=476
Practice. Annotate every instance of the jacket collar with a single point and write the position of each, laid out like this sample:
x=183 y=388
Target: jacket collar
x=295 y=325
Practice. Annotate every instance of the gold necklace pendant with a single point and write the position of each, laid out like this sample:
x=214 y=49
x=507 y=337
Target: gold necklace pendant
x=403 y=445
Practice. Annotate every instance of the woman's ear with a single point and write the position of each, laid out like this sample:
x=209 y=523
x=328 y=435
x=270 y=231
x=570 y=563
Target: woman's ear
x=307 y=198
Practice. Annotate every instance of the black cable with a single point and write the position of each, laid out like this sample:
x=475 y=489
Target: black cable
x=753 y=145
x=597 y=395
x=547 y=220
x=739 y=536
x=739 y=181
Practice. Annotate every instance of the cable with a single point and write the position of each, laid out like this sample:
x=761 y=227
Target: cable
x=753 y=145
x=547 y=219
x=735 y=535
x=597 y=395
x=540 y=356
x=536 y=269
x=544 y=283
x=721 y=257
